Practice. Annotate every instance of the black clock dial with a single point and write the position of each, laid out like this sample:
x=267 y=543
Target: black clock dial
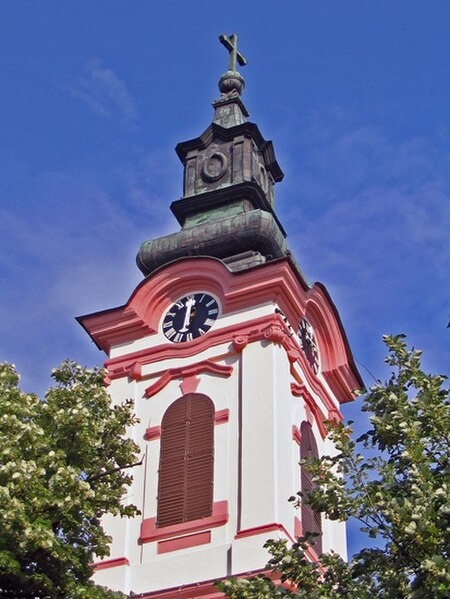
x=308 y=344
x=190 y=317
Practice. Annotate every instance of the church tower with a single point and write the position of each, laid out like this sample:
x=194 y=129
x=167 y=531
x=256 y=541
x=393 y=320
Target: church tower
x=234 y=363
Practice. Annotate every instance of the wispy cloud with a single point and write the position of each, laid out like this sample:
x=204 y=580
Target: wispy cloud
x=370 y=217
x=105 y=93
x=72 y=251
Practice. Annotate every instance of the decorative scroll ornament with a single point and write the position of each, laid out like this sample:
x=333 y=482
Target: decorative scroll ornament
x=240 y=342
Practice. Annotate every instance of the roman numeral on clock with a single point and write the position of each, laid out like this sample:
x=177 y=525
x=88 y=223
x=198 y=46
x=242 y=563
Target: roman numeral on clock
x=170 y=333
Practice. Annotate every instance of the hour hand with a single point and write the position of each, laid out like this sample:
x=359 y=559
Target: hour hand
x=190 y=302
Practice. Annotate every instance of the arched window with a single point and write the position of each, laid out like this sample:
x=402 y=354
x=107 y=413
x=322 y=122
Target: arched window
x=311 y=520
x=186 y=465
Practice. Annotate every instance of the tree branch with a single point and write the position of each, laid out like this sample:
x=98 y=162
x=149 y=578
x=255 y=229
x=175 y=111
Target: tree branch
x=90 y=479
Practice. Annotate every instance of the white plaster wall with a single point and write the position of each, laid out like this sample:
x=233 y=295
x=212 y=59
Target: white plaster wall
x=190 y=565
x=112 y=578
x=256 y=463
x=257 y=436
x=335 y=533
x=249 y=554
x=149 y=570
x=284 y=404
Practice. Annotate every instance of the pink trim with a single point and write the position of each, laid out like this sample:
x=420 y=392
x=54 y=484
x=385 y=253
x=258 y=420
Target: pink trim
x=313 y=412
x=312 y=554
x=276 y=332
x=152 y=433
x=119 y=367
x=297 y=390
x=201 y=538
x=135 y=371
x=337 y=379
x=270 y=327
x=235 y=291
x=296 y=434
x=187 y=371
x=240 y=342
x=189 y=385
x=149 y=531
x=335 y=416
x=111 y=563
x=222 y=416
x=298 y=528
x=310 y=417
x=263 y=529
x=207 y=589
x=301 y=391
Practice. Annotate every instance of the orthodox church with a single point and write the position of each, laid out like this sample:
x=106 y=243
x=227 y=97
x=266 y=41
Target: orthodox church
x=234 y=363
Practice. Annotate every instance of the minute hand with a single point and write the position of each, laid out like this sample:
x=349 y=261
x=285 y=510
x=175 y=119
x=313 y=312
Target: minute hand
x=190 y=302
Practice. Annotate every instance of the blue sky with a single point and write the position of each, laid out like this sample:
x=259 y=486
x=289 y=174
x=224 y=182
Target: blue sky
x=95 y=95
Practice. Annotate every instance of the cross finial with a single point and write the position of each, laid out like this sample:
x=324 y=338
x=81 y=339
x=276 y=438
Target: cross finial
x=230 y=44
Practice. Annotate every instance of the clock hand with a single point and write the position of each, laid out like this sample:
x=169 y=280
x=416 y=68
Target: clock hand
x=190 y=302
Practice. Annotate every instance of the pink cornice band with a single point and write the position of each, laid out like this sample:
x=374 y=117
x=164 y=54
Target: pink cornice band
x=111 y=563
x=152 y=433
x=149 y=531
x=207 y=588
x=270 y=328
x=200 y=538
x=276 y=281
x=263 y=529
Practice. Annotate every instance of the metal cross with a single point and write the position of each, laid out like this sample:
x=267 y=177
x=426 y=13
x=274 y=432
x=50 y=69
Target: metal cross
x=230 y=44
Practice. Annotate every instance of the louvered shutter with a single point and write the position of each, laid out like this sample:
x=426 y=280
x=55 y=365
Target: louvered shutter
x=311 y=520
x=186 y=467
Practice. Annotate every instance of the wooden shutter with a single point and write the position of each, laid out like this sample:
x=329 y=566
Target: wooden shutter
x=311 y=520
x=186 y=465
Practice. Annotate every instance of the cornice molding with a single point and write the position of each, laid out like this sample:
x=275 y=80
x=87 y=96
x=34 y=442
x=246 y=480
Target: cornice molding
x=277 y=282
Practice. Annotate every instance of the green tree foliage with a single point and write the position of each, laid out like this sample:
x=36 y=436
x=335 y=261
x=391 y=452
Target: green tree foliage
x=64 y=463
x=395 y=480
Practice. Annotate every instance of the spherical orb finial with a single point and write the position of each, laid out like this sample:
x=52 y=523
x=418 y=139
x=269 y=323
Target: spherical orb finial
x=231 y=81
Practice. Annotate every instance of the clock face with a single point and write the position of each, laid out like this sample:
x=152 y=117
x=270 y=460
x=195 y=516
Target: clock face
x=308 y=344
x=190 y=317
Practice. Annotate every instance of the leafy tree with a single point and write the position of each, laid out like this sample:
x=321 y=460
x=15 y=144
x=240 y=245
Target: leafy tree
x=64 y=463
x=397 y=487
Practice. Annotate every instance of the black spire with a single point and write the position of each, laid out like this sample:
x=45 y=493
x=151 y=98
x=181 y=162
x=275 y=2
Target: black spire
x=227 y=208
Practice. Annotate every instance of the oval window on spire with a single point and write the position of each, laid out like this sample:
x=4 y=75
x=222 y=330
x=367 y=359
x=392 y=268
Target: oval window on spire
x=214 y=167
